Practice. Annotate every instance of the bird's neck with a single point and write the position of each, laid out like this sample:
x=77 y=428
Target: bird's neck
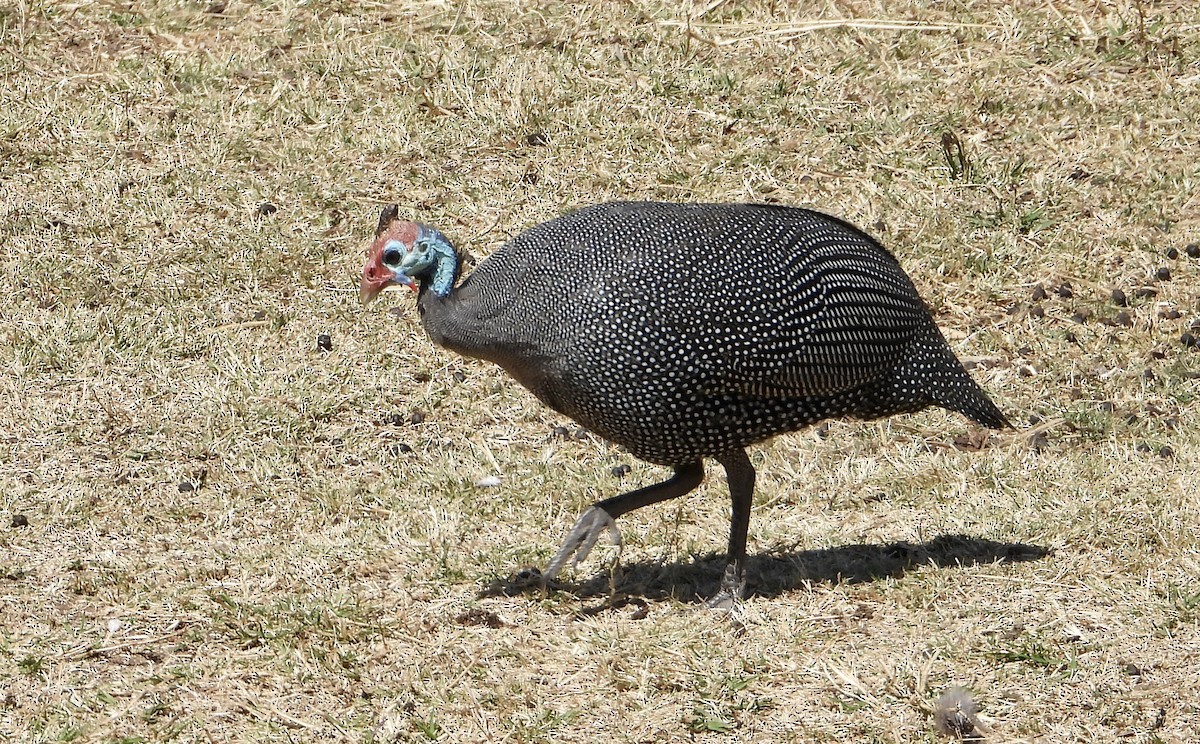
x=451 y=319
x=445 y=270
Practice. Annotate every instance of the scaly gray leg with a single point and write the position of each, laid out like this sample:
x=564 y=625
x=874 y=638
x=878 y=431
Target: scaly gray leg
x=740 y=475
x=599 y=518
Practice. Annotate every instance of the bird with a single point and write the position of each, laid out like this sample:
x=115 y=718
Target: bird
x=685 y=332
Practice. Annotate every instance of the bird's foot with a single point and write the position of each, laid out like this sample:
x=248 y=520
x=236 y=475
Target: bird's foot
x=583 y=536
x=733 y=586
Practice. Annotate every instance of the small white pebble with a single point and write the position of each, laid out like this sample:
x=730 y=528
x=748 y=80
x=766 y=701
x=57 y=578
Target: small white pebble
x=114 y=625
x=491 y=481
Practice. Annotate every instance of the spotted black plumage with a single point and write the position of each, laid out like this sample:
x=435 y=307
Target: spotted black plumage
x=686 y=331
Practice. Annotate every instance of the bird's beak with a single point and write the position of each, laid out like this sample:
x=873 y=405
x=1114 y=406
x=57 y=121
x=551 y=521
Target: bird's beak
x=376 y=278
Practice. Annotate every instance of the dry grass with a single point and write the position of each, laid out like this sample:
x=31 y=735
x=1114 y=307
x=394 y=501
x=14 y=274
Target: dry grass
x=233 y=536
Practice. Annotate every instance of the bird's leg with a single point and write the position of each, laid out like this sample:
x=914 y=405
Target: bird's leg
x=601 y=517
x=582 y=538
x=740 y=475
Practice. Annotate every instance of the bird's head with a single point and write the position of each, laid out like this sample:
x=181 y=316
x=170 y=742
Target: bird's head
x=407 y=253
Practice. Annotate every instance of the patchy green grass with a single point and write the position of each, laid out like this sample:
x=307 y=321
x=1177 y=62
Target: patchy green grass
x=212 y=530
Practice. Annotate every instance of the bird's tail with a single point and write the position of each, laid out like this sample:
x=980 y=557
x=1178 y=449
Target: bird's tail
x=951 y=386
x=930 y=375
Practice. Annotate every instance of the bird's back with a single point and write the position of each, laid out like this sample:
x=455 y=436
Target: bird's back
x=683 y=330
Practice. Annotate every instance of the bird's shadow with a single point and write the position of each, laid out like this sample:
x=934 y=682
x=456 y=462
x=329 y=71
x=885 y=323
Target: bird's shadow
x=778 y=571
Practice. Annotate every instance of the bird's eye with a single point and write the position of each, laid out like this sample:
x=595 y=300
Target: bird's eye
x=391 y=257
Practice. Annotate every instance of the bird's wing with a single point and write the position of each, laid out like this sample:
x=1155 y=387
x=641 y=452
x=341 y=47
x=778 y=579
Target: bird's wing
x=838 y=323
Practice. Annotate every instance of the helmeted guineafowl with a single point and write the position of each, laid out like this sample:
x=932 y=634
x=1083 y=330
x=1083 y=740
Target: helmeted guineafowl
x=686 y=331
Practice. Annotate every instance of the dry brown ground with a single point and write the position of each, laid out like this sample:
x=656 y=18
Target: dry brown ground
x=233 y=536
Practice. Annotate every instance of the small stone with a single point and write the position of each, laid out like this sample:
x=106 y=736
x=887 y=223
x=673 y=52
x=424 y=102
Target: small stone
x=113 y=625
x=324 y=342
x=20 y=520
x=1038 y=441
x=1172 y=253
x=266 y=209
x=1039 y=293
x=490 y=481
x=955 y=714
x=1119 y=299
x=1193 y=250
x=1163 y=274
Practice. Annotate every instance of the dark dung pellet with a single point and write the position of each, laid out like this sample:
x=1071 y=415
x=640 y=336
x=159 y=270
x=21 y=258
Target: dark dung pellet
x=1188 y=340
x=1039 y=293
x=1193 y=250
x=1037 y=311
x=324 y=342
x=1163 y=274
x=620 y=471
x=1166 y=452
x=20 y=520
x=417 y=417
x=186 y=486
x=1119 y=299
x=1172 y=253
x=1064 y=291
x=266 y=209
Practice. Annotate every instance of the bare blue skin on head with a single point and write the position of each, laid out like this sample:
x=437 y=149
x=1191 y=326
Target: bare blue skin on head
x=430 y=256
